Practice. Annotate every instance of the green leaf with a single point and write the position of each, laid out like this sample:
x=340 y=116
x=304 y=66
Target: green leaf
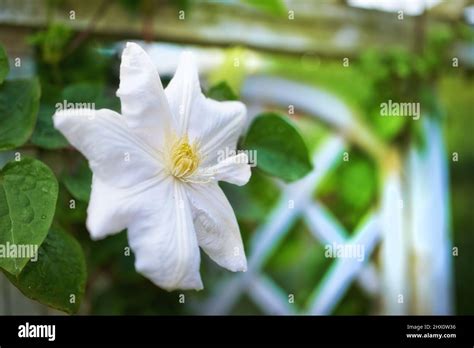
x=45 y=135
x=4 y=67
x=274 y=7
x=79 y=183
x=58 y=277
x=28 y=193
x=280 y=149
x=19 y=103
x=221 y=92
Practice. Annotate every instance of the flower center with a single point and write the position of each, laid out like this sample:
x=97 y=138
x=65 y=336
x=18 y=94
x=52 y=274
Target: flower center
x=184 y=159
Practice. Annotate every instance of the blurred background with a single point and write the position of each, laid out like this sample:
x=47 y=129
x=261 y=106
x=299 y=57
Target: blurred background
x=400 y=187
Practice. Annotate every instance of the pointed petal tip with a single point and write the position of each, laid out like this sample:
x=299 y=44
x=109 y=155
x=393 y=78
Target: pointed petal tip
x=187 y=65
x=130 y=44
x=94 y=230
x=132 y=47
x=239 y=265
x=95 y=236
x=242 y=267
x=133 y=55
x=239 y=107
x=187 y=55
x=65 y=118
x=58 y=118
x=246 y=176
x=199 y=286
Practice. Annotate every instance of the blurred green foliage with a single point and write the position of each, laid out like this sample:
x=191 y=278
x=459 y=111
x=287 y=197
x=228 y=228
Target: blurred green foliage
x=252 y=203
x=52 y=42
x=273 y=7
x=350 y=189
x=79 y=181
x=44 y=134
x=456 y=95
x=4 y=66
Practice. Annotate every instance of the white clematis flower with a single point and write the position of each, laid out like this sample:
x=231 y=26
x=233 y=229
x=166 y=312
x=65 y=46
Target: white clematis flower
x=155 y=170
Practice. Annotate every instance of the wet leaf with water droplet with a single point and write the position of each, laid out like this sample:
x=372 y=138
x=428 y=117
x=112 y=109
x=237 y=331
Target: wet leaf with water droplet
x=26 y=209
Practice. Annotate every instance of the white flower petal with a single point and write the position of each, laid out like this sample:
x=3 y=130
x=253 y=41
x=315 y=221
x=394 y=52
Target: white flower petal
x=216 y=226
x=163 y=239
x=234 y=169
x=115 y=155
x=142 y=97
x=111 y=209
x=215 y=125
x=183 y=90
x=107 y=211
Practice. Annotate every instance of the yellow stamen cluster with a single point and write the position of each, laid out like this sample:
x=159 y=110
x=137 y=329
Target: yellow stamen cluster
x=184 y=159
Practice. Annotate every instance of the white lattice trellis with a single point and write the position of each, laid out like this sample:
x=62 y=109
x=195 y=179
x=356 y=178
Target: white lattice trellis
x=274 y=300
